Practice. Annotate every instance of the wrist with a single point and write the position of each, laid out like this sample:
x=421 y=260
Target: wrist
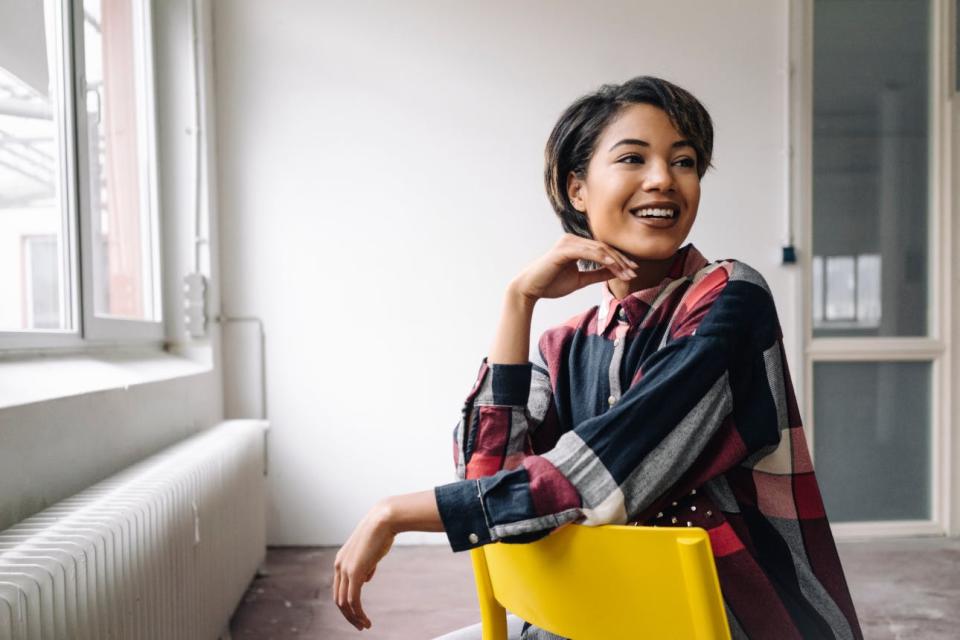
x=408 y=512
x=515 y=296
x=385 y=514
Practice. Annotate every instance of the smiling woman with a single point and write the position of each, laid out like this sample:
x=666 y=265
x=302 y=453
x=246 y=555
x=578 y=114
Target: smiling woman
x=667 y=404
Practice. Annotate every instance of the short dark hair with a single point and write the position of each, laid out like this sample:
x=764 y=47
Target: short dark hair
x=574 y=137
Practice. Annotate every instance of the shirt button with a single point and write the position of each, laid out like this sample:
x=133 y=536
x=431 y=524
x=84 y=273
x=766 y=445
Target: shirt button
x=616 y=342
x=611 y=400
x=473 y=538
x=622 y=315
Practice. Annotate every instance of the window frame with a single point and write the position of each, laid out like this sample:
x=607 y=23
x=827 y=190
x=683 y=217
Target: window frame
x=96 y=328
x=84 y=329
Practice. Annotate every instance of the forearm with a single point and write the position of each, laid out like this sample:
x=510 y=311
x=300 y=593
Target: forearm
x=511 y=344
x=413 y=512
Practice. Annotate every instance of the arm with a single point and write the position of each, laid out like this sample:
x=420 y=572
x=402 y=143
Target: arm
x=480 y=437
x=508 y=412
x=553 y=275
x=511 y=343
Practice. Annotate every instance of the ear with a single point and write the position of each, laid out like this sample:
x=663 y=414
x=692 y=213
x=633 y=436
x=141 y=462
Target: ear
x=577 y=192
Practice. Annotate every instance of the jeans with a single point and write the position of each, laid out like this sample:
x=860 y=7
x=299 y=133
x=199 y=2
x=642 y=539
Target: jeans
x=515 y=631
x=514 y=627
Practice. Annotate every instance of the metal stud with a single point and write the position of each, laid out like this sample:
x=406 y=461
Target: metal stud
x=673 y=520
x=709 y=513
x=693 y=507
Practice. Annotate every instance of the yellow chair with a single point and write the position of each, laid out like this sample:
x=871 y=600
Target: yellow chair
x=604 y=583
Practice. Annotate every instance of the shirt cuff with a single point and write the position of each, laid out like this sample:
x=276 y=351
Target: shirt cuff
x=461 y=511
x=510 y=383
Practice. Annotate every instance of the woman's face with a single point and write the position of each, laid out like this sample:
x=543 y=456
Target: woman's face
x=640 y=159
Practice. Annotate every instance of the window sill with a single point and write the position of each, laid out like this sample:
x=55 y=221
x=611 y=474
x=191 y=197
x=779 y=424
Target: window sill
x=37 y=378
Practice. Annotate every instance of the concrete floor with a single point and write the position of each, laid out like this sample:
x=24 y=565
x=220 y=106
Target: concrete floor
x=903 y=588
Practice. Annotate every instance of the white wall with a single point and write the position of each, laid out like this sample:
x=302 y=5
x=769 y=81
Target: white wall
x=380 y=172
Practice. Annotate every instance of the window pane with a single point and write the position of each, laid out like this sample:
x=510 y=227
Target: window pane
x=872 y=444
x=40 y=282
x=119 y=158
x=870 y=167
x=32 y=271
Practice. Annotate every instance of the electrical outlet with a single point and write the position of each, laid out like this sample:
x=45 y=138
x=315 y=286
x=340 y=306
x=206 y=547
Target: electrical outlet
x=194 y=304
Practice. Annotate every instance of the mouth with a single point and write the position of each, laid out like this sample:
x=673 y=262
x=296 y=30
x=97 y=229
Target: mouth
x=658 y=217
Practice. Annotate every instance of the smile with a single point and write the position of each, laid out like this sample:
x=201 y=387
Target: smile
x=656 y=218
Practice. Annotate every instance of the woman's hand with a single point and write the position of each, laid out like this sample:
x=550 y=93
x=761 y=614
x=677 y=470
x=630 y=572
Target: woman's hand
x=357 y=560
x=555 y=274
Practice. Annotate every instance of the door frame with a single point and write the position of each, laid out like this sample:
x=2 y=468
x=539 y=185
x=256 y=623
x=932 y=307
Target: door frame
x=937 y=348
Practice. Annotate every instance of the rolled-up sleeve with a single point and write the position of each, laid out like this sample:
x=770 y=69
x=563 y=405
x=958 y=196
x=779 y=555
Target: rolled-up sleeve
x=507 y=404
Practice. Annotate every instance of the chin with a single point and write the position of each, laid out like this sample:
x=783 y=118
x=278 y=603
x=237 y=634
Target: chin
x=650 y=248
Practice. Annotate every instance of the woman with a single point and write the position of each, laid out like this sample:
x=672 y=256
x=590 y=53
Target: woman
x=668 y=404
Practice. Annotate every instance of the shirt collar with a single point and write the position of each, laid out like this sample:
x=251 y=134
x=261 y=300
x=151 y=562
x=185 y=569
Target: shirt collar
x=686 y=262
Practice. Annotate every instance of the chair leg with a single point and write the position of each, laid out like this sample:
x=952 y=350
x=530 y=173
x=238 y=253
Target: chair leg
x=492 y=615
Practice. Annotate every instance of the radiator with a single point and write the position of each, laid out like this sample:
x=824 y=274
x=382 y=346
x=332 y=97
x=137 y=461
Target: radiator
x=163 y=549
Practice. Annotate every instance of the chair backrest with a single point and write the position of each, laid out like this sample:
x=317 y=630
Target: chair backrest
x=604 y=582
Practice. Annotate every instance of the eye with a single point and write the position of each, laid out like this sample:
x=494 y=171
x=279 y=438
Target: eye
x=635 y=159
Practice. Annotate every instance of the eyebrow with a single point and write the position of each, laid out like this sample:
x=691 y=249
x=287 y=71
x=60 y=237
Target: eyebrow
x=644 y=143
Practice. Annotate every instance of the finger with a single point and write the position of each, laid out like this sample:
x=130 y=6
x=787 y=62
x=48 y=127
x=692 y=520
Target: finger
x=598 y=252
x=343 y=602
x=630 y=261
x=628 y=264
x=354 y=600
x=618 y=265
x=598 y=275
x=336 y=584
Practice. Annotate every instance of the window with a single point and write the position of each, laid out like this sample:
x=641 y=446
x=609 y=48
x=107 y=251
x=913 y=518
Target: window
x=79 y=238
x=846 y=291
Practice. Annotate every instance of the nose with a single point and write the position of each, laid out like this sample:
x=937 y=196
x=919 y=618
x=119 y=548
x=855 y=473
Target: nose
x=658 y=176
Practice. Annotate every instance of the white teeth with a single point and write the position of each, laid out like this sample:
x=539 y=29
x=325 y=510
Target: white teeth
x=654 y=213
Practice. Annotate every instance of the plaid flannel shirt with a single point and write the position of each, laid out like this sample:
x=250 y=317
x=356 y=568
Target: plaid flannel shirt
x=673 y=406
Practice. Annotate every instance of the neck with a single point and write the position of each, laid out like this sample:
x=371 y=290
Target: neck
x=649 y=274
